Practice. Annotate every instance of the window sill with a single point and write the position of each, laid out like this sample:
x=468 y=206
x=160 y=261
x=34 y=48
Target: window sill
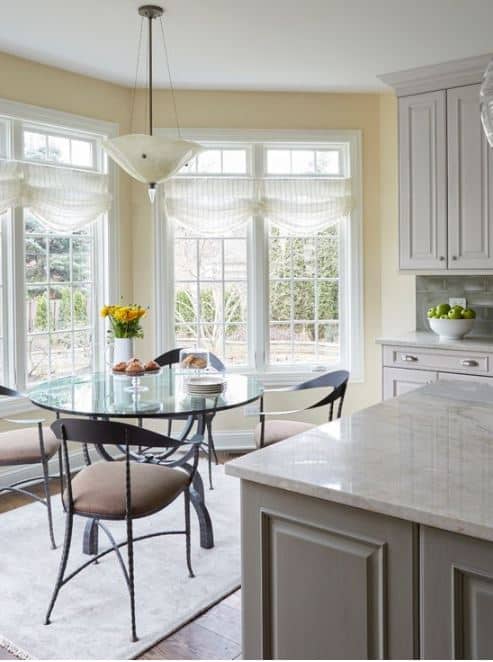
x=285 y=378
x=14 y=406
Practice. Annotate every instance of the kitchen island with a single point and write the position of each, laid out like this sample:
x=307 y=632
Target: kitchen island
x=372 y=536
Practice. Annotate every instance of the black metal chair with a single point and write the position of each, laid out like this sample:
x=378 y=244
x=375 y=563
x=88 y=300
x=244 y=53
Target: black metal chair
x=270 y=432
x=28 y=446
x=171 y=358
x=121 y=491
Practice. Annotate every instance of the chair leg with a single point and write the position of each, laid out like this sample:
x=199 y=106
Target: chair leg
x=46 y=484
x=187 y=532
x=63 y=564
x=130 y=550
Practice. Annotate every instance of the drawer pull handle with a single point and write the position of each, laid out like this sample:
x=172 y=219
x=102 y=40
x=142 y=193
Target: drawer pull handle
x=469 y=363
x=409 y=358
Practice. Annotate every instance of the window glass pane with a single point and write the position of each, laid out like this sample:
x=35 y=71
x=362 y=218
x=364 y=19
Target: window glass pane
x=278 y=161
x=304 y=305
x=234 y=161
x=35 y=146
x=328 y=162
x=211 y=300
x=82 y=153
x=59 y=149
x=303 y=162
x=209 y=162
x=60 y=295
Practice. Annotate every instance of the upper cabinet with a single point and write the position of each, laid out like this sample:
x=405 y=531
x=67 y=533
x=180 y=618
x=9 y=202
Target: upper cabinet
x=470 y=183
x=445 y=169
x=423 y=181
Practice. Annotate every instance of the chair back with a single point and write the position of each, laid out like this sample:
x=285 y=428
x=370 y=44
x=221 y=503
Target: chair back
x=173 y=356
x=337 y=381
x=10 y=392
x=113 y=433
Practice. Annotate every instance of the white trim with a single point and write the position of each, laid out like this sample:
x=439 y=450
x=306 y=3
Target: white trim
x=57 y=118
x=236 y=440
x=455 y=73
x=351 y=139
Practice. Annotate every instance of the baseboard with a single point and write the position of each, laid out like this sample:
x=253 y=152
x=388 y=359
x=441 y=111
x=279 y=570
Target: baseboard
x=238 y=440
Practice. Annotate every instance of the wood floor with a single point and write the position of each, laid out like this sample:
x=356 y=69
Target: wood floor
x=214 y=635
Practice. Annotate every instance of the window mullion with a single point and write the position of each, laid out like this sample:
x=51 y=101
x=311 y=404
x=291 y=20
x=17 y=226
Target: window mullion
x=18 y=326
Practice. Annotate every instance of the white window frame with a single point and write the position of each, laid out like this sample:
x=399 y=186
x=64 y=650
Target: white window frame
x=351 y=319
x=16 y=116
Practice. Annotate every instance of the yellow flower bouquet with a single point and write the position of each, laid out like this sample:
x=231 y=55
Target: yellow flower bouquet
x=125 y=320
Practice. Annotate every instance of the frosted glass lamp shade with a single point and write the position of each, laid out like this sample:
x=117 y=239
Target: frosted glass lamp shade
x=150 y=159
x=486 y=102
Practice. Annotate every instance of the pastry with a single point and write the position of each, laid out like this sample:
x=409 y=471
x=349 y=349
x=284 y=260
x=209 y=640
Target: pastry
x=120 y=367
x=151 y=365
x=192 y=361
x=134 y=367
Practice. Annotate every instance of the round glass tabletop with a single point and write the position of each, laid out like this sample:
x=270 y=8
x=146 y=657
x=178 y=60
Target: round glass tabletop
x=153 y=395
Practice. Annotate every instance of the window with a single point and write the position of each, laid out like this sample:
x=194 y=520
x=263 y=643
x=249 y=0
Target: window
x=59 y=291
x=52 y=284
x=265 y=297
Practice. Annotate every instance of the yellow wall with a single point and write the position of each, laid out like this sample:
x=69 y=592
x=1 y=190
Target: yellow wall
x=388 y=297
x=258 y=110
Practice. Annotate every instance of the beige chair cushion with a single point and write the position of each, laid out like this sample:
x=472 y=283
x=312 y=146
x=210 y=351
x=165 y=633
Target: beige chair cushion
x=21 y=446
x=279 y=430
x=99 y=489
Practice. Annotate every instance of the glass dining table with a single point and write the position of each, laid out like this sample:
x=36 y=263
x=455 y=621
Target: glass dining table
x=161 y=395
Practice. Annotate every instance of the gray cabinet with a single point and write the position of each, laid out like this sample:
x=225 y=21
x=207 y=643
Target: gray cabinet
x=456 y=596
x=423 y=181
x=397 y=381
x=445 y=182
x=322 y=580
x=470 y=183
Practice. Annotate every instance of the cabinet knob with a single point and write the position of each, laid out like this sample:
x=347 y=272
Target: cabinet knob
x=454 y=257
x=442 y=258
x=469 y=363
x=409 y=358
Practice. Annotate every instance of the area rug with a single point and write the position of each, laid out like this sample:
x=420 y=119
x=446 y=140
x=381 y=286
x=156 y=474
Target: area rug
x=91 y=619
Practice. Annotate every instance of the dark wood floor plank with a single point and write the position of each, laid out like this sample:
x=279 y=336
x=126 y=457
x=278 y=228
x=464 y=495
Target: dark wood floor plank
x=193 y=642
x=222 y=620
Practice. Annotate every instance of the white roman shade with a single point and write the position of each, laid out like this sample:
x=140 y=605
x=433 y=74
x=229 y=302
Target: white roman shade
x=213 y=206
x=65 y=200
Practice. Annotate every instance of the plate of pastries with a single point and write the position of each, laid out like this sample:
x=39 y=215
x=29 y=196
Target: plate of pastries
x=136 y=367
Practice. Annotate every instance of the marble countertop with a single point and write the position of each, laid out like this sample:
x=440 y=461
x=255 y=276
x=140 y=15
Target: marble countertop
x=430 y=340
x=426 y=457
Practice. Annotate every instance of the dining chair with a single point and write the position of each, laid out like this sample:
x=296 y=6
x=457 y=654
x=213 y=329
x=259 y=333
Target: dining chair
x=31 y=445
x=270 y=432
x=118 y=491
x=171 y=358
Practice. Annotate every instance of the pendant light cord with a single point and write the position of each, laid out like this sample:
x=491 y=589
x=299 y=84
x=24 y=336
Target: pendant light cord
x=139 y=47
x=173 y=97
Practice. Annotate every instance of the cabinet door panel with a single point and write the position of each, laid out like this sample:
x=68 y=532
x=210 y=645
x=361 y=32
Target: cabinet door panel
x=422 y=177
x=456 y=596
x=321 y=580
x=470 y=183
x=397 y=381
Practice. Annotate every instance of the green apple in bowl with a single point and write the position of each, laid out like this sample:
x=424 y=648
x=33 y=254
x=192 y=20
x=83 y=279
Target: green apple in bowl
x=450 y=323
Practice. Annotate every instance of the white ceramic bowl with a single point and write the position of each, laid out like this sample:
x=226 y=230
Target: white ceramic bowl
x=450 y=329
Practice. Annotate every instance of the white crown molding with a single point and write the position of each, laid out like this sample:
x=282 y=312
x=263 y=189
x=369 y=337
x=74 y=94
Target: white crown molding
x=438 y=76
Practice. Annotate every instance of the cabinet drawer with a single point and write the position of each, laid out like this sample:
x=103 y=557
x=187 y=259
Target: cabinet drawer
x=438 y=359
x=397 y=381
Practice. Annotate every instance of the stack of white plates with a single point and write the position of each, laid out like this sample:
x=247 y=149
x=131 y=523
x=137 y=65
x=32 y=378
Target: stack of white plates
x=207 y=385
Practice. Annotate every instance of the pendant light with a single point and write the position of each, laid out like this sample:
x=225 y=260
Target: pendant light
x=147 y=158
x=486 y=102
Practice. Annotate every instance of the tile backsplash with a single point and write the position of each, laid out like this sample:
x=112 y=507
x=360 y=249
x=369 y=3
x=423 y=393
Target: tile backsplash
x=477 y=290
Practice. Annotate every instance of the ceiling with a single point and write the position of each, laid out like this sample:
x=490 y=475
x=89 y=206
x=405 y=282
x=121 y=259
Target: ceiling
x=300 y=45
